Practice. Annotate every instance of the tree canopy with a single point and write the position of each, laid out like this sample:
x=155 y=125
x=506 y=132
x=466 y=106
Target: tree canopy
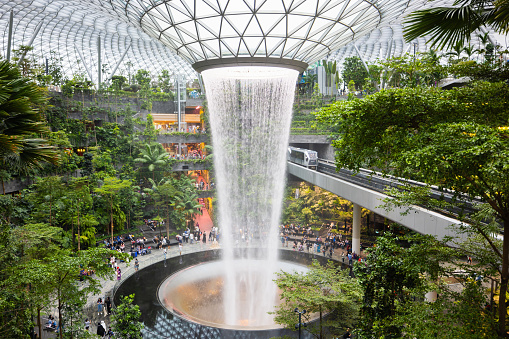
x=457 y=140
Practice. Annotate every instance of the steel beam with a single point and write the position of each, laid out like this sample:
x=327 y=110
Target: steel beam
x=37 y=29
x=365 y=65
x=84 y=64
x=119 y=62
x=9 y=37
x=99 y=76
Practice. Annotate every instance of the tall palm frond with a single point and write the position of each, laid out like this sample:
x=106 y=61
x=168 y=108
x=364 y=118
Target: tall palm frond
x=449 y=25
x=152 y=156
x=20 y=120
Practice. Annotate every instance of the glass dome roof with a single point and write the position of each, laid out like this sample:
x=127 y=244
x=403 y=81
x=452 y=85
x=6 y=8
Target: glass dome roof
x=299 y=30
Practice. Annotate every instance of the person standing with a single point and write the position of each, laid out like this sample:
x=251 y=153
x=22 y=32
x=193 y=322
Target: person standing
x=87 y=324
x=99 y=306
x=204 y=237
x=180 y=248
x=108 y=305
x=136 y=265
x=119 y=274
x=164 y=252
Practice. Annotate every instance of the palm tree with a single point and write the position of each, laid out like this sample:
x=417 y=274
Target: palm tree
x=310 y=80
x=456 y=51
x=449 y=25
x=153 y=156
x=21 y=123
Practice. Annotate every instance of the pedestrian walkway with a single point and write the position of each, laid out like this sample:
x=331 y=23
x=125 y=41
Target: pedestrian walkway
x=204 y=220
x=108 y=286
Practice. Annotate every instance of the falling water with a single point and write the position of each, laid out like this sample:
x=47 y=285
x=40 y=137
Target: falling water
x=250 y=114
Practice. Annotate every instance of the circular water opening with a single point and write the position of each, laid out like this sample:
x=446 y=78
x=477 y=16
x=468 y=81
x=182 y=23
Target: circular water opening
x=196 y=294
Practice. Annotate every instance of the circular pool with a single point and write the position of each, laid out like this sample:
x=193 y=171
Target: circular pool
x=162 y=321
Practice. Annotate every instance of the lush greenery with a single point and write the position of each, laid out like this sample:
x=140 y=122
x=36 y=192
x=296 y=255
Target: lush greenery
x=398 y=272
x=312 y=205
x=126 y=320
x=456 y=140
x=323 y=290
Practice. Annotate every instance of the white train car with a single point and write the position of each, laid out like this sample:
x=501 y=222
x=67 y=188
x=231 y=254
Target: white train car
x=303 y=157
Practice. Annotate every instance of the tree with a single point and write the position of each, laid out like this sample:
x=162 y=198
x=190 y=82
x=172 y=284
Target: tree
x=447 y=26
x=457 y=140
x=109 y=190
x=126 y=320
x=20 y=119
x=391 y=279
x=79 y=199
x=153 y=157
x=166 y=196
x=150 y=132
x=48 y=192
x=187 y=200
x=319 y=291
x=353 y=69
x=164 y=80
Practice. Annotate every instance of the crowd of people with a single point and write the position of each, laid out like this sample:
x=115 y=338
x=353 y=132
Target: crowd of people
x=316 y=244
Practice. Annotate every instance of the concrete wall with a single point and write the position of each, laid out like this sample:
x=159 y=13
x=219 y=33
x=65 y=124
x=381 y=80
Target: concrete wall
x=318 y=143
x=188 y=166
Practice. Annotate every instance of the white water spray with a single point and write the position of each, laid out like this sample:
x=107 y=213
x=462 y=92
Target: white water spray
x=250 y=115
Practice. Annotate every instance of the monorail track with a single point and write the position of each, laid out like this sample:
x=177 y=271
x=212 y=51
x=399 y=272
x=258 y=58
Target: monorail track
x=381 y=183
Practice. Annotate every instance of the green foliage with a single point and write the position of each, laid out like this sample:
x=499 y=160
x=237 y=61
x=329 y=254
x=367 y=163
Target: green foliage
x=315 y=206
x=353 y=69
x=456 y=140
x=150 y=131
x=126 y=320
x=391 y=277
x=109 y=191
x=413 y=70
x=319 y=291
x=20 y=119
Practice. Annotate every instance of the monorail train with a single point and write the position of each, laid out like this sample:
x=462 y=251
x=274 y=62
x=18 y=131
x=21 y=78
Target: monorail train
x=303 y=157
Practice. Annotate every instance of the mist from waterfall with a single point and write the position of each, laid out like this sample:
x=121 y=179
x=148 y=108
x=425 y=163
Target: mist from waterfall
x=250 y=114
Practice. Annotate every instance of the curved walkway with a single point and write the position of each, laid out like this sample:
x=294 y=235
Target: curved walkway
x=108 y=286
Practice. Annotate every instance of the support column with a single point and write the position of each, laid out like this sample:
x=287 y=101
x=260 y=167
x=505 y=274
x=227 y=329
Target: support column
x=36 y=31
x=356 y=229
x=9 y=37
x=365 y=66
x=99 y=75
x=431 y=296
x=118 y=63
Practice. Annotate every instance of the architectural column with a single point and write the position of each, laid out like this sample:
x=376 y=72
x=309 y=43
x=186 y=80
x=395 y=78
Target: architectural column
x=431 y=296
x=9 y=37
x=99 y=62
x=356 y=229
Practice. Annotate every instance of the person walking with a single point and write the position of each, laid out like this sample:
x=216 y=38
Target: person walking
x=164 y=252
x=119 y=274
x=100 y=330
x=180 y=248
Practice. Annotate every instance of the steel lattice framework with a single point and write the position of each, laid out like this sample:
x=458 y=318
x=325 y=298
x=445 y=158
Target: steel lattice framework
x=301 y=30
x=175 y=34
x=69 y=26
